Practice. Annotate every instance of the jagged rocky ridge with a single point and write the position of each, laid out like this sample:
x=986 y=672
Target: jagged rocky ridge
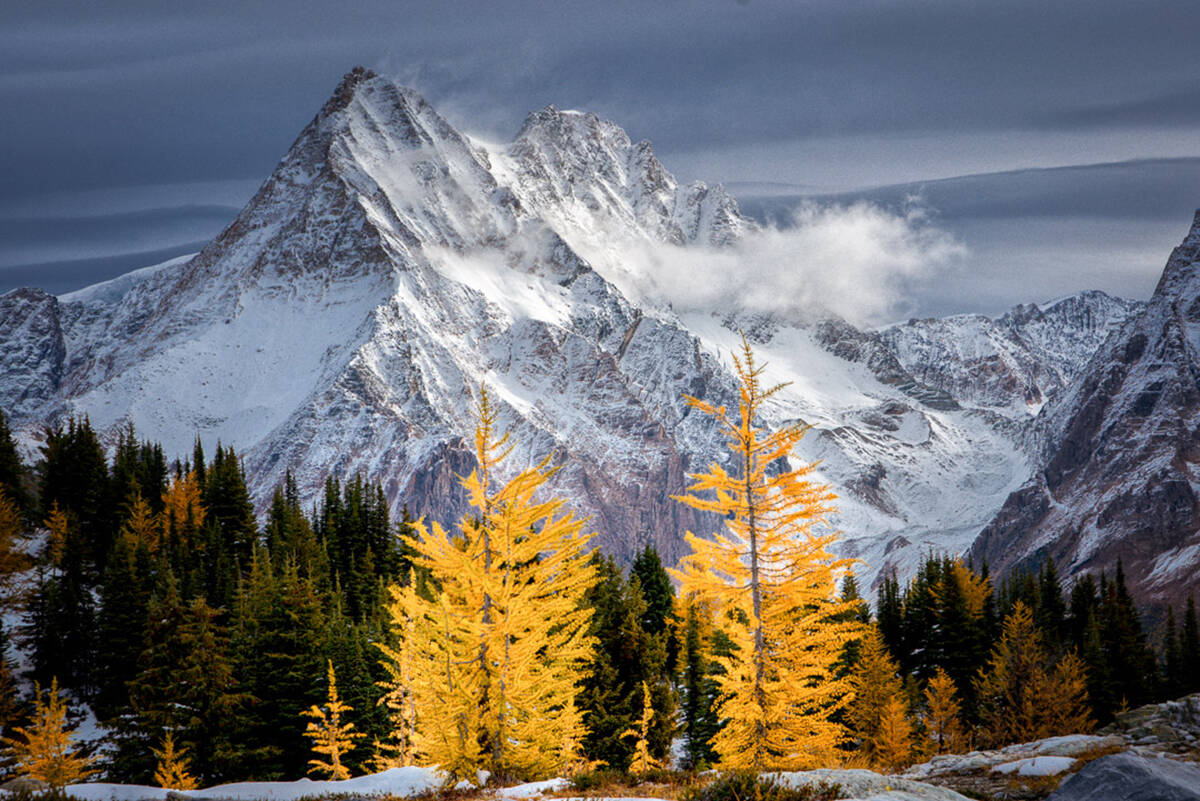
x=1119 y=472
x=390 y=265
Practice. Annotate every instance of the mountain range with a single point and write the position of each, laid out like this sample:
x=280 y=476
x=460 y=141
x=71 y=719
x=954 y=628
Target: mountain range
x=391 y=266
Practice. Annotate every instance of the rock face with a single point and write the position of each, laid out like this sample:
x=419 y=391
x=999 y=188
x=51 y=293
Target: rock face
x=1014 y=363
x=1172 y=727
x=1118 y=477
x=1130 y=777
x=391 y=265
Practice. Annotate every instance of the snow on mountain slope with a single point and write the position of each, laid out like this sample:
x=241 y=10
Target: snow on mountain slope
x=1012 y=364
x=1119 y=478
x=391 y=265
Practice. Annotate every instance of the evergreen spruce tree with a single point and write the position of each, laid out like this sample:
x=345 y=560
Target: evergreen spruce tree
x=1172 y=667
x=890 y=618
x=771 y=578
x=279 y=642
x=74 y=478
x=121 y=621
x=14 y=478
x=700 y=688
x=1190 y=647
x=626 y=657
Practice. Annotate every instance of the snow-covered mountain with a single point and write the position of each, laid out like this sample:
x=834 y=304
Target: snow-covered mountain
x=1120 y=476
x=391 y=265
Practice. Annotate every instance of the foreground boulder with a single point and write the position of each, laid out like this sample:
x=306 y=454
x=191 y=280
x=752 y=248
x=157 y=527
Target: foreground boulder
x=866 y=784
x=1132 y=777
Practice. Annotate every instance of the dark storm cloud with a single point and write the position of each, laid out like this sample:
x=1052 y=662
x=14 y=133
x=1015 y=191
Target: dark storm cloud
x=100 y=95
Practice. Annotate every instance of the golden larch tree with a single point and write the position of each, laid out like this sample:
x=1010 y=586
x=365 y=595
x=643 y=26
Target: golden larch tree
x=943 y=714
x=642 y=761
x=13 y=558
x=331 y=737
x=875 y=682
x=141 y=527
x=892 y=745
x=45 y=750
x=172 y=770
x=771 y=578
x=58 y=530
x=498 y=646
x=1022 y=695
x=399 y=749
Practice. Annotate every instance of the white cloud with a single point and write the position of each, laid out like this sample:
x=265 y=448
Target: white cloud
x=857 y=261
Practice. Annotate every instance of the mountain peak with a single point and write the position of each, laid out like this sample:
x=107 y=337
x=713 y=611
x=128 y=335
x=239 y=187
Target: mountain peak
x=345 y=90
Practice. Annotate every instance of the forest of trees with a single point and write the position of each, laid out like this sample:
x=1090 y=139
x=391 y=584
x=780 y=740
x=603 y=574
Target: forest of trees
x=211 y=644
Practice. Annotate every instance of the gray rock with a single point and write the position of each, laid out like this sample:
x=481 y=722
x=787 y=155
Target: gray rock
x=25 y=784
x=1129 y=777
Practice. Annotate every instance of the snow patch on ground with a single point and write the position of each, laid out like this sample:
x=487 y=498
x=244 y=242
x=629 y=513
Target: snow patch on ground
x=1036 y=766
x=534 y=789
x=403 y=782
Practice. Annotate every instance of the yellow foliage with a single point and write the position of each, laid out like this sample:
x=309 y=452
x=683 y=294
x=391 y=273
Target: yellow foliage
x=943 y=720
x=183 y=507
x=892 y=745
x=974 y=588
x=330 y=736
x=496 y=654
x=13 y=558
x=398 y=751
x=875 y=684
x=45 y=750
x=141 y=528
x=1022 y=696
x=1069 y=711
x=772 y=580
x=58 y=526
x=172 y=771
x=642 y=761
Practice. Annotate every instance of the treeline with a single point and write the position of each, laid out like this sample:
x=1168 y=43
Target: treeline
x=151 y=593
x=979 y=666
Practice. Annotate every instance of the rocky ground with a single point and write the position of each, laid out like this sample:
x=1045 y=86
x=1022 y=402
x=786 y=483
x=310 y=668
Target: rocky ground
x=1155 y=749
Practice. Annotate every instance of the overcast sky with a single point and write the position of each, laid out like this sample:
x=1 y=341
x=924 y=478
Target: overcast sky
x=131 y=132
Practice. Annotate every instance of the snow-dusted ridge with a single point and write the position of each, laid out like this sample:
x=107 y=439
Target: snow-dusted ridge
x=390 y=265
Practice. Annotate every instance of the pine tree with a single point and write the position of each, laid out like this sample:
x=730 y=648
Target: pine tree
x=1190 y=647
x=772 y=580
x=700 y=690
x=500 y=649
x=330 y=736
x=279 y=643
x=626 y=656
x=642 y=761
x=1173 y=666
x=172 y=771
x=943 y=717
x=45 y=750
x=14 y=479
